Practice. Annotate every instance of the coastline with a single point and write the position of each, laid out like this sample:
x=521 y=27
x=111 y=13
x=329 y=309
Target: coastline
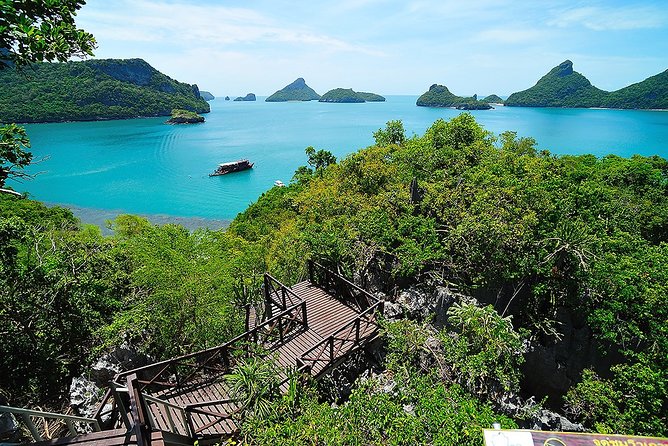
x=100 y=217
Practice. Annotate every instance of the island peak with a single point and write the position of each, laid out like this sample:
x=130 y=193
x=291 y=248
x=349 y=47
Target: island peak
x=295 y=91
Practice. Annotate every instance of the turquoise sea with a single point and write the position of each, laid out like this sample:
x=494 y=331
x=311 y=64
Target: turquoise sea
x=143 y=166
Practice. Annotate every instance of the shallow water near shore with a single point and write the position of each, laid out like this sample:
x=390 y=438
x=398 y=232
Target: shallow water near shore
x=146 y=167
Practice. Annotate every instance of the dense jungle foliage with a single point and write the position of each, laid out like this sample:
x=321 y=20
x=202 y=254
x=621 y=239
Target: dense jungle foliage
x=563 y=87
x=531 y=234
x=92 y=90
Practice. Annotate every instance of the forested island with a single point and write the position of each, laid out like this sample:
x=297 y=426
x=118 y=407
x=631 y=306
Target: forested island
x=296 y=91
x=180 y=116
x=92 y=90
x=250 y=97
x=563 y=87
x=347 y=95
x=440 y=96
x=507 y=273
x=493 y=99
x=206 y=95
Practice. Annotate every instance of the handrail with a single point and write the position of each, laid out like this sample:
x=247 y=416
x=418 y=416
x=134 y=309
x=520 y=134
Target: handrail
x=241 y=337
x=352 y=326
x=287 y=296
x=69 y=420
x=344 y=288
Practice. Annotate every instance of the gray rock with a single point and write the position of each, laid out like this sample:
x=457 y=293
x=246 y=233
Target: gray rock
x=9 y=429
x=393 y=311
x=552 y=421
x=84 y=396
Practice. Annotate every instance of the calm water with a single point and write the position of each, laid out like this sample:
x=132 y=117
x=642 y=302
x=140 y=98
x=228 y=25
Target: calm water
x=144 y=166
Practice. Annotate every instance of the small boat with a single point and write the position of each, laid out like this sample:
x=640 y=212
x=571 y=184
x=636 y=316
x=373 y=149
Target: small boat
x=279 y=183
x=233 y=166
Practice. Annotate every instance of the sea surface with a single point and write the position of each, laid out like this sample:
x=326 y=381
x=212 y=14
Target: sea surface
x=144 y=166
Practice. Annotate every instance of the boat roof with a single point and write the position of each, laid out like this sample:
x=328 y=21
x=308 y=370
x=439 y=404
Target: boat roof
x=232 y=163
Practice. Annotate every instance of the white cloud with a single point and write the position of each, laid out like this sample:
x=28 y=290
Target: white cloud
x=610 y=19
x=181 y=24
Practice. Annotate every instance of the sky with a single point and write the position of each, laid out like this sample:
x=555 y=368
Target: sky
x=383 y=46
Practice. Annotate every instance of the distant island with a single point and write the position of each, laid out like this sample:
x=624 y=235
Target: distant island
x=184 y=117
x=248 y=98
x=93 y=90
x=563 y=87
x=227 y=98
x=493 y=99
x=206 y=95
x=296 y=91
x=347 y=95
x=440 y=96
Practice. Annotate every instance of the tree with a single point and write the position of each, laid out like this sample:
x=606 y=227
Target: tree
x=35 y=31
x=319 y=159
x=393 y=133
x=13 y=154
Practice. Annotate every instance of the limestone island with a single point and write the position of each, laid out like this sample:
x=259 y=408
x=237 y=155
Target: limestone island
x=206 y=95
x=493 y=99
x=296 y=91
x=440 y=96
x=347 y=95
x=96 y=89
x=227 y=98
x=180 y=116
x=248 y=98
x=563 y=87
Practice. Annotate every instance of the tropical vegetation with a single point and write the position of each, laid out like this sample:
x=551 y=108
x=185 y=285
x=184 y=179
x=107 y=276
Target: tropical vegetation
x=537 y=239
x=92 y=90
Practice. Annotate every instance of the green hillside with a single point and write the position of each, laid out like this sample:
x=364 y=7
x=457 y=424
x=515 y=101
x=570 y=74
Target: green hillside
x=440 y=96
x=563 y=87
x=296 y=91
x=93 y=90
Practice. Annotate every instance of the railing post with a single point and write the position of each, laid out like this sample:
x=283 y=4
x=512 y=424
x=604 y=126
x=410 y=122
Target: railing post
x=331 y=348
x=310 y=271
x=267 y=300
x=357 y=331
x=142 y=432
x=283 y=295
x=304 y=315
x=280 y=328
x=121 y=406
x=31 y=427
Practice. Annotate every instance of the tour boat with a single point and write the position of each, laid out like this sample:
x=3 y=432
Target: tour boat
x=233 y=166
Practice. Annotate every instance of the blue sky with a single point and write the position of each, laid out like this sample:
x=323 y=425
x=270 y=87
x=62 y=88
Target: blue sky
x=383 y=46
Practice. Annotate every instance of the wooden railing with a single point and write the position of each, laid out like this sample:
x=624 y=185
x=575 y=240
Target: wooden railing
x=215 y=361
x=347 y=339
x=277 y=294
x=70 y=421
x=339 y=286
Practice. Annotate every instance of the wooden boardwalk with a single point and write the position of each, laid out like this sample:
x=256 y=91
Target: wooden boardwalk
x=311 y=326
